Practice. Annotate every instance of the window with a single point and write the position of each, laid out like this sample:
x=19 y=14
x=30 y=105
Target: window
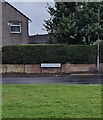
x=15 y=27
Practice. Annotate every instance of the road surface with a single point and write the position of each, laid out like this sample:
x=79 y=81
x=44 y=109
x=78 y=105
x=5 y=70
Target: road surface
x=70 y=79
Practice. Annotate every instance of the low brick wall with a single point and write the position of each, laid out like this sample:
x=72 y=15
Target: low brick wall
x=13 y=68
x=68 y=68
x=50 y=70
x=36 y=69
x=32 y=69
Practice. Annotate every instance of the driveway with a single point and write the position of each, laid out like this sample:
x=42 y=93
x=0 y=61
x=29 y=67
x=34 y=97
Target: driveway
x=68 y=79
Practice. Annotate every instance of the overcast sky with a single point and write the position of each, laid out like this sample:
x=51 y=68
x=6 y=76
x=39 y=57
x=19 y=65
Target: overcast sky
x=37 y=12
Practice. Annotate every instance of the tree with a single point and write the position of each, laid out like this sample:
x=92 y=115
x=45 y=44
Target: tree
x=75 y=23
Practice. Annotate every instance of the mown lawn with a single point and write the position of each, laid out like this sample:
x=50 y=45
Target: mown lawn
x=51 y=101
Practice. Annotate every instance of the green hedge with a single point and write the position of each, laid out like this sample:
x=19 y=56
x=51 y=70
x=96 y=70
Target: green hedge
x=101 y=52
x=35 y=54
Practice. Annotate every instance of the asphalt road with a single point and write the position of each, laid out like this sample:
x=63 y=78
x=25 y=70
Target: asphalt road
x=70 y=79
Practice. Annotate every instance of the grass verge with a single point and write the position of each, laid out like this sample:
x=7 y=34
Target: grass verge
x=51 y=101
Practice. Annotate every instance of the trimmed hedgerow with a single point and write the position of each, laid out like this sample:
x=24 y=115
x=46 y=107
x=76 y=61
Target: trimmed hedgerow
x=53 y=53
x=101 y=52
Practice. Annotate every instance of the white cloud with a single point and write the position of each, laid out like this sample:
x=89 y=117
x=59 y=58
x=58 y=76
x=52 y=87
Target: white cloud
x=55 y=0
x=30 y=0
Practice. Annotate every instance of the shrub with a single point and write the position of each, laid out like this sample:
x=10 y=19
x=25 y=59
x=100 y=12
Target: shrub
x=101 y=52
x=49 y=53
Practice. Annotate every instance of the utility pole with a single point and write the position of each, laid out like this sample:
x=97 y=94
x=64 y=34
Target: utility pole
x=98 y=43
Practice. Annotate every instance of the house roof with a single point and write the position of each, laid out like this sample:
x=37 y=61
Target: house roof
x=18 y=10
x=39 y=38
